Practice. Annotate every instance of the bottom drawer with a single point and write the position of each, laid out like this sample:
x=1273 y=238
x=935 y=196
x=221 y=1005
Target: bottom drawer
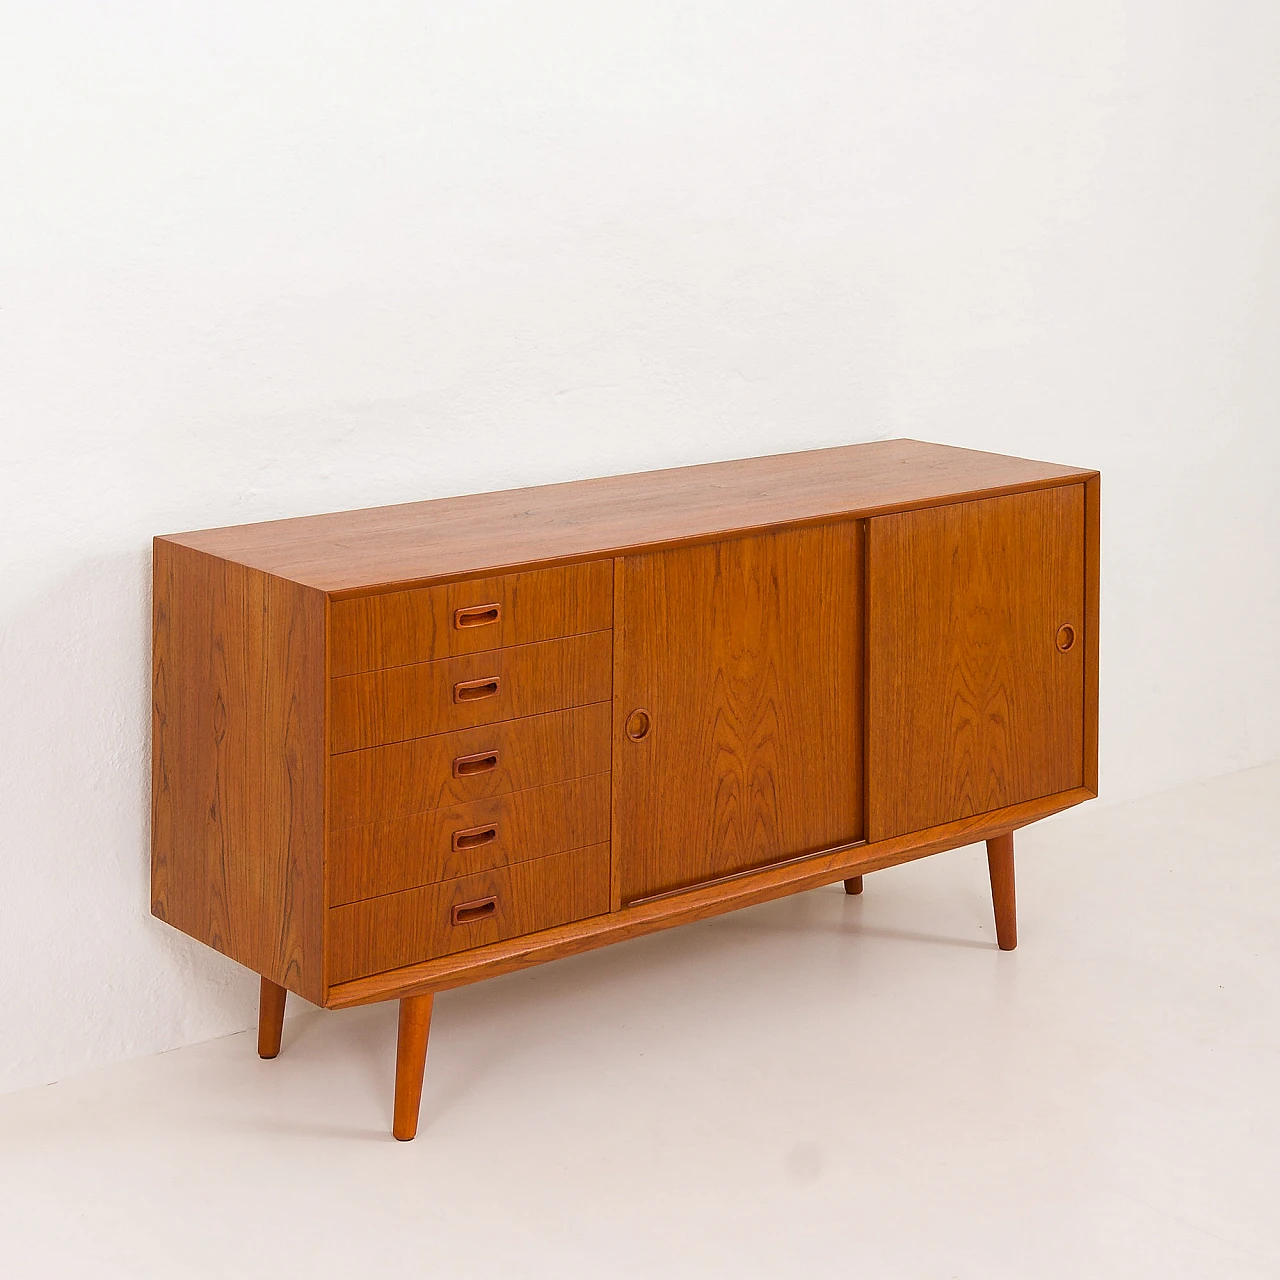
x=421 y=924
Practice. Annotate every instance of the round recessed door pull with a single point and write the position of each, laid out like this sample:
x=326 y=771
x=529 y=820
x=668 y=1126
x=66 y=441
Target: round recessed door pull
x=638 y=724
x=1066 y=637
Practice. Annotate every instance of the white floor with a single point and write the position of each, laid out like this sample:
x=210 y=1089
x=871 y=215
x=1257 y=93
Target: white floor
x=822 y=1086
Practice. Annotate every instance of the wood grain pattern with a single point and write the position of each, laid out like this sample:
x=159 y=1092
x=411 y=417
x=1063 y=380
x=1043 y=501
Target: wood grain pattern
x=379 y=707
x=411 y=1063
x=388 y=857
x=971 y=707
x=368 y=633
x=405 y=928
x=238 y=763
x=1003 y=897
x=740 y=589
x=271 y=1003
x=382 y=783
x=488 y=533
x=1092 y=589
x=746 y=657
x=699 y=903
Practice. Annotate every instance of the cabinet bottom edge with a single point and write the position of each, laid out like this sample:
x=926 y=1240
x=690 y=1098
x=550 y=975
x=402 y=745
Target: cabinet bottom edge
x=699 y=902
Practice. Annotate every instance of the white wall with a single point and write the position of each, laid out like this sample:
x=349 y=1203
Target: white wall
x=259 y=260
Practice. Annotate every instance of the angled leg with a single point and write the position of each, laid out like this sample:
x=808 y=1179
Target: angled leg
x=1000 y=864
x=270 y=1018
x=853 y=884
x=411 y=1062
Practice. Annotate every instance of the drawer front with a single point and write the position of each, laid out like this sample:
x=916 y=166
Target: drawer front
x=435 y=697
x=438 y=920
x=370 y=633
x=444 y=844
x=381 y=783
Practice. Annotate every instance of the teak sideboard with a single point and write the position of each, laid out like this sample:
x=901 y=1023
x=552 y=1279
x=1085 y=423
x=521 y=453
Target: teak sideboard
x=402 y=749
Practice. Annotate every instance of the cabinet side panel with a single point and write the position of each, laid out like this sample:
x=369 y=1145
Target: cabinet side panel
x=972 y=705
x=238 y=763
x=1092 y=586
x=199 y=694
x=291 y=883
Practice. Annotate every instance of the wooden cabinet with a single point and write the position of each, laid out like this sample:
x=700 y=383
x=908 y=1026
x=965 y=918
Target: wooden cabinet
x=403 y=749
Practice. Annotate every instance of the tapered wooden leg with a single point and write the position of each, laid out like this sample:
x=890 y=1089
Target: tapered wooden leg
x=411 y=1062
x=853 y=884
x=270 y=1018
x=1000 y=864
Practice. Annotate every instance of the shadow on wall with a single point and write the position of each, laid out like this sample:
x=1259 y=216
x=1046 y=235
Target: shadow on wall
x=89 y=975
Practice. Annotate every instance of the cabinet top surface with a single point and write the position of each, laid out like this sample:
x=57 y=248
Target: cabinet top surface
x=352 y=551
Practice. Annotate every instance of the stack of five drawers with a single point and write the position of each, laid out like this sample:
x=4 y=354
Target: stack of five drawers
x=470 y=740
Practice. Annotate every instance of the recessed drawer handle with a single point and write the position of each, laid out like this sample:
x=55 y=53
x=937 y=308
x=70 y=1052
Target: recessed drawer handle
x=474 y=837
x=481 y=762
x=466 y=912
x=474 y=690
x=479 y=615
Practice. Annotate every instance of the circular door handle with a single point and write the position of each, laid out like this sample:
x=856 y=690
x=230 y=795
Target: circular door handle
x=1066 y=637
x=638 y=724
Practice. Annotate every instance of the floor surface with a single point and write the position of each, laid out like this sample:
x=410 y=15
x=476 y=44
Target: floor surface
x=821 y=1086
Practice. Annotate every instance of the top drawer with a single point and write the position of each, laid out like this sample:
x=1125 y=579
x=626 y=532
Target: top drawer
x=368 y=633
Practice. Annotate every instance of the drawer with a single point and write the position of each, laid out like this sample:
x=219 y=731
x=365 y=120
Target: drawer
x=434 y=697
x=443 y=844
x=406 y=928
x=380 y=783
x=369 y=633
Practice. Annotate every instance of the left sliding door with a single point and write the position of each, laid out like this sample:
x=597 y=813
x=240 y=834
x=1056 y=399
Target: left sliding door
x=737 y=706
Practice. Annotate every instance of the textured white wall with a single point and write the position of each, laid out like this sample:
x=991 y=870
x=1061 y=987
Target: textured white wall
x=260 y=260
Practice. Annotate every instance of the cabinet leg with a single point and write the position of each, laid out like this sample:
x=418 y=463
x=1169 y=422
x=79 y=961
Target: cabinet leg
x=853 y=884
x=270 y=1018
x=1000 y=864
x=411 y=1062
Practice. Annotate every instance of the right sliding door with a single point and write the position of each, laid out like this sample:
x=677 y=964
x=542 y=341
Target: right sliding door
x=975 y=644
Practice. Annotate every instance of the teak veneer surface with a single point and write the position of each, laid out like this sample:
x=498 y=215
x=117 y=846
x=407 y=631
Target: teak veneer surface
x=238 y=763
x=386 y=857
x=745 y=656
x=378 y=707
x=1092 y=587
x=971 y=706
x=1000 y=870
x=403 y=749
x=411 y=1061
x=410 y=777
x=368 y=633
x=353 y=551
x=271 y=1003
x=403 y=928
x=698 y=903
